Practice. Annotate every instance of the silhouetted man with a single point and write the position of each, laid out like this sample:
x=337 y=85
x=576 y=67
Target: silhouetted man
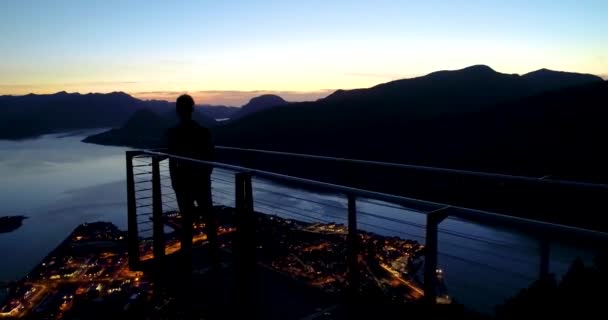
x=191 y=181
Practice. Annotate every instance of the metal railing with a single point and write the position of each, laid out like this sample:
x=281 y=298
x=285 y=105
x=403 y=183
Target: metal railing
x=547 y=179
x=243 y=201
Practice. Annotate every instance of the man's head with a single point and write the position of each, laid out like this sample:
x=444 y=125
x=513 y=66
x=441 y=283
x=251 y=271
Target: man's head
x=184 y=107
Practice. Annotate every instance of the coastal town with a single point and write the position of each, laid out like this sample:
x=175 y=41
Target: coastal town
x=88 y=273
x=316 y=254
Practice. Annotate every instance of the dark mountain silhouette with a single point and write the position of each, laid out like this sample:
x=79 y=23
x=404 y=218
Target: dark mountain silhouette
x=473 y=118
x=469 y=89
x=526 y=135
x=197 y=116
x=137 y=133
x=544 y=79
x=257 y=104
x=145 y=129
x=360 y=121
x=32 y=115
x=158 y=106
x=374 y=122
x=217 y=112
x=560 y=134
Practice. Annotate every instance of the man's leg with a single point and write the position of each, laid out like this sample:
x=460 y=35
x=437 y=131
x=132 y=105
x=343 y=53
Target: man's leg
x=205 y=210
x=183 y=284
x=187 y=210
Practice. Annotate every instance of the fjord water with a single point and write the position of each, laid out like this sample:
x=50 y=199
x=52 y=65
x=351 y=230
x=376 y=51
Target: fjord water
x=60 y=182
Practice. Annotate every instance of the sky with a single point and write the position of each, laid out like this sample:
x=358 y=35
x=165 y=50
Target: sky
x=225 y=52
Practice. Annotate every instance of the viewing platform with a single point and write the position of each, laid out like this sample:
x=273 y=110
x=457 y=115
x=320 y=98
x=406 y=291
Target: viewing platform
x=293 y=247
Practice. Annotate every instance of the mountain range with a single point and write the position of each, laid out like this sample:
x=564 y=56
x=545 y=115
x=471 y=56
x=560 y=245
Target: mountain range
x=474 y=118
x=257 y=104
x=395 y=121
x=146 y=128
x=218 y=112
x=32 y=115
x=388 y=105
x=544 y=123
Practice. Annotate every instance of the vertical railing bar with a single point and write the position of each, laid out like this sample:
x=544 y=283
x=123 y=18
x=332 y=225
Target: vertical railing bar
x=245 y=245
x=353 y=245
x=157 y=213
x=133 y=234
x=430 y=260
x=244 y=210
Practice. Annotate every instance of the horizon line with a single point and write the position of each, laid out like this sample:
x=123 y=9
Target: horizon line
x=199 y=95
x=235 y=97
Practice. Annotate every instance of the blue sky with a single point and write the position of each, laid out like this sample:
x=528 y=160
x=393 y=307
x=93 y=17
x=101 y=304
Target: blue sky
x=223 y=49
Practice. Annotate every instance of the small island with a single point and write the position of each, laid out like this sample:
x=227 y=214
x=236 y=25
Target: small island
x=11 y=223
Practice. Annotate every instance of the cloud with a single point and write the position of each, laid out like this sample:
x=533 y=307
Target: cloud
x=232 y=97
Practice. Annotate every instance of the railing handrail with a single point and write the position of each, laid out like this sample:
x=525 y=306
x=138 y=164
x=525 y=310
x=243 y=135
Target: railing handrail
x=544 y=179
x=544 y=229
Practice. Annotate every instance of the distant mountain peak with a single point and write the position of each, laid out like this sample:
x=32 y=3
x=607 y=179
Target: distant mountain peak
x=474 y=69
x=545 y=79
x=260 y=103
x=543 y=71
x=548 y=72
x=65 y=93
x=479 y=68
x=266 y=99
x=120 y=94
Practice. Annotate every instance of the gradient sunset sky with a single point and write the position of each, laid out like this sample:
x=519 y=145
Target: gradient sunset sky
x=228 y=51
